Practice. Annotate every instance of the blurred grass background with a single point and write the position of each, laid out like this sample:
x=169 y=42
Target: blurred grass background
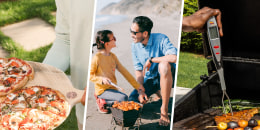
x=192 y=63
x=19 y=10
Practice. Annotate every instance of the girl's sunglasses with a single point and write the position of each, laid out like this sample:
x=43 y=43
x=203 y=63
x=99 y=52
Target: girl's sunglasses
x=114 y=38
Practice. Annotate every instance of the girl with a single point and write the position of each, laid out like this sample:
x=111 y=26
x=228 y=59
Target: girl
x=102 y=72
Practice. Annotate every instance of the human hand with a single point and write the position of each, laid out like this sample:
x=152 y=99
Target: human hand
x=141 y=88
x=106 y=81
x=83 y=98
x=196 y=21
x=142 y=96
x=147 y=66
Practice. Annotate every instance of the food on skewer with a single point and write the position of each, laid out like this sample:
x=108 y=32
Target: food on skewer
x=126 y=105
x=240 y=115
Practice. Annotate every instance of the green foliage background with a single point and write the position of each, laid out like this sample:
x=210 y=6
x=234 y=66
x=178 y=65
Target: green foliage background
x=191 y=41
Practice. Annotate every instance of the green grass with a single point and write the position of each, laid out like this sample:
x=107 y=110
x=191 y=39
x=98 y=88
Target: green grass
x=16 y=50
x=16 y=11
x=191 y=67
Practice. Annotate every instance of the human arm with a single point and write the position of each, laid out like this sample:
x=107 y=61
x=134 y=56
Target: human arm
x=168 y=54
x=126 y=74
x=141 y=91
x=167 y=58
x=93 y=73
x=136 y=84
x=59 y=54
x=196 y=21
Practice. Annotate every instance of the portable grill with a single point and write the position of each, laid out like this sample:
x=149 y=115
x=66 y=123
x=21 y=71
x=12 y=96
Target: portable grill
x=241 y=62
x=125 y=118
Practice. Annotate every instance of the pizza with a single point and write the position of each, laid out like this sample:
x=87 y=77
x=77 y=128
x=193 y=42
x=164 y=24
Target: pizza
x=14 y=74
x=33 y=108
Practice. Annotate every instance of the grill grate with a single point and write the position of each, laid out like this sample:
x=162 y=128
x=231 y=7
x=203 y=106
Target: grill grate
x=198 y=121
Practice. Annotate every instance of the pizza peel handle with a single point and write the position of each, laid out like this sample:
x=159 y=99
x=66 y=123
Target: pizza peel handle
x=49 y=76
x=74 y=96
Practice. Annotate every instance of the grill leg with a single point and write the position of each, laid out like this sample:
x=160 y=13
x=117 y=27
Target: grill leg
x=113 y=124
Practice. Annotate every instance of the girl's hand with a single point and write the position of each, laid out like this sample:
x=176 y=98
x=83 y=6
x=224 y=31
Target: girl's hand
x=106 y=81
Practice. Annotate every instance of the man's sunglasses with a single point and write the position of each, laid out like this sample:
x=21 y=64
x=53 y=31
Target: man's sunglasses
x=133 y=32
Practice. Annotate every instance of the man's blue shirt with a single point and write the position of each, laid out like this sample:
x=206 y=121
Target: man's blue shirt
x=158 y=45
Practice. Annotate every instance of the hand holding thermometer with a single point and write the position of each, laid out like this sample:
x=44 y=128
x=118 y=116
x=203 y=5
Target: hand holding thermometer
x=214 y=41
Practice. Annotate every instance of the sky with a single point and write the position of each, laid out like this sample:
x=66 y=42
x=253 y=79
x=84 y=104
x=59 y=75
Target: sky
x=102 y=3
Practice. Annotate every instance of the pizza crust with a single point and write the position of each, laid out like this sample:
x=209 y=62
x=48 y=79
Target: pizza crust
x=54 y=118
x=19 y=83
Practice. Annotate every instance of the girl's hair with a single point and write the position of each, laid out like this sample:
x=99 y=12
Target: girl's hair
x=102 y=38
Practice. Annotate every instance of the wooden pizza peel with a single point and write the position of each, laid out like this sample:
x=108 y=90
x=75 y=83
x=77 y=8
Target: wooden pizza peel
x=49 y=76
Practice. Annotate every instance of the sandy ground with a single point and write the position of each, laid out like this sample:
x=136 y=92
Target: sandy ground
x=151 y=111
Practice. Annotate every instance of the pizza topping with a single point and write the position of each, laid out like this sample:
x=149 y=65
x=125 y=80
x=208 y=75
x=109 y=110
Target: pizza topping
x=7 y=83
x=33 y=108
x=24 y=68
x=12 y=73
x=29 y=91
x=15 y=101
x=11 y=96
x=2 y=87
x=35 y=89
x=21 y=98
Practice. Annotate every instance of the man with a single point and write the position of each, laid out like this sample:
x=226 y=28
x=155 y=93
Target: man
x=156 y=54
x=72 y=44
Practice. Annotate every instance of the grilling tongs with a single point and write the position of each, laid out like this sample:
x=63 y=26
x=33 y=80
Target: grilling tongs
x=214 y=41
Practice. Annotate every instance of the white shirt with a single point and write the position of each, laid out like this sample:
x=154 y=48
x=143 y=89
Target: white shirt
x=73 y=42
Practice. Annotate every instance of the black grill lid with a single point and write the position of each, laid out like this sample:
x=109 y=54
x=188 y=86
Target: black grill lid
x=240 y=45
x=241 y=27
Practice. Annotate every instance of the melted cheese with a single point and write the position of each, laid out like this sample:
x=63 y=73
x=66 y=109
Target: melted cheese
x=11 y=96
x=35 y=89
x=43 y=104
x=21 y=98
x=24 y=68
x=3 y=87
x=9 y=69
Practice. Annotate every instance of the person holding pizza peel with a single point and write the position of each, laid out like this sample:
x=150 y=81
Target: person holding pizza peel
x=72 y=44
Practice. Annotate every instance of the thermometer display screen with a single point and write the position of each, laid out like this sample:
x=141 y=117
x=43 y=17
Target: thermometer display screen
x=213 y=32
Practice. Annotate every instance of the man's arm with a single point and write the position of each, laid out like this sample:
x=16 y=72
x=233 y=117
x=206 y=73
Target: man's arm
x=140 y=79
x=169 y=51
x=167 y=58
x=139 y=76
x=196 y=21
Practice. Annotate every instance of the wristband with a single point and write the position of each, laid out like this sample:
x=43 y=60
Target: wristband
x=150 y=60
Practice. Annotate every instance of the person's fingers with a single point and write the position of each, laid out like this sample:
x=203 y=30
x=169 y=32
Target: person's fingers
x=160 y=122
x=204 y=9
x=217 y=14
x=83 y=98
x=146 y=98
x=141 y=100
x=218 y=17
